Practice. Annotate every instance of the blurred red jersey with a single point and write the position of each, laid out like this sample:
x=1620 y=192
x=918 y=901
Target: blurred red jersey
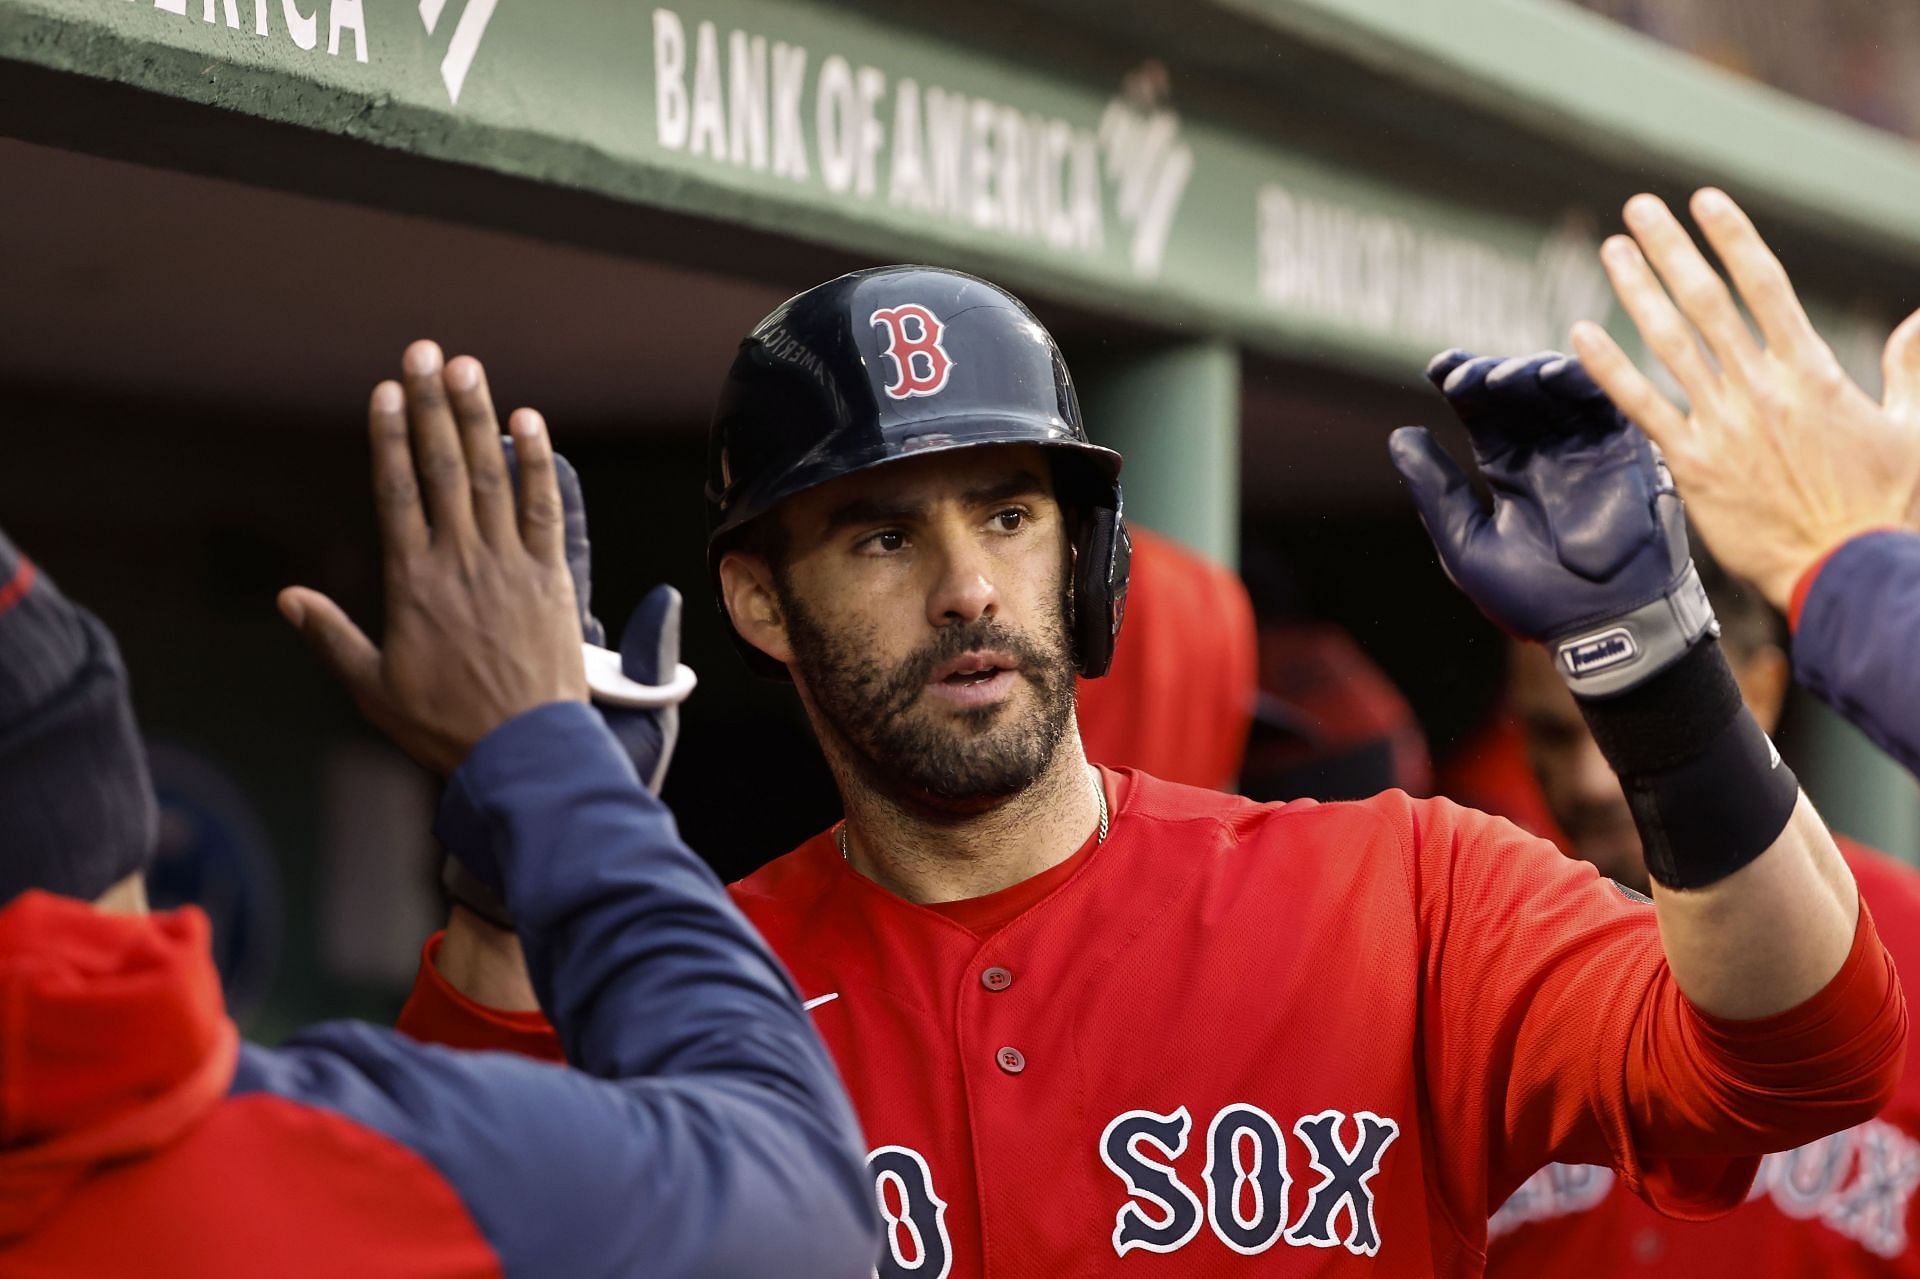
x=1178 y=701
x=1842 y=1205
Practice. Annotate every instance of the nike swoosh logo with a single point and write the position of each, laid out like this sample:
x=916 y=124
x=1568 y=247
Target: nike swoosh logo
x=812 y=1004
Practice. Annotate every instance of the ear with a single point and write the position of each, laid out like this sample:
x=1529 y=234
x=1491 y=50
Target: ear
x=746 y=585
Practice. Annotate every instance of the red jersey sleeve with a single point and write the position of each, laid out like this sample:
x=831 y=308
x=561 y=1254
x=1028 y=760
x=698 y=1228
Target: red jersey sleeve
x=1552 y=1018
x=436 y=1013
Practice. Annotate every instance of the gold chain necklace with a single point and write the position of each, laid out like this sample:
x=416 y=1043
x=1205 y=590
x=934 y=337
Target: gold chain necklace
x=1099 y=793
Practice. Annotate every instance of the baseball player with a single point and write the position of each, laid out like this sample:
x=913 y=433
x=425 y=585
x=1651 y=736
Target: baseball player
x=1842 y=1205
x=1807 y=483
x=704 y=1132
x=1095 y=1023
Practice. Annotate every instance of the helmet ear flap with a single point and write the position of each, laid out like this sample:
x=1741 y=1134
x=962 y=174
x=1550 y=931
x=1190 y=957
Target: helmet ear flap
x=1103 y=555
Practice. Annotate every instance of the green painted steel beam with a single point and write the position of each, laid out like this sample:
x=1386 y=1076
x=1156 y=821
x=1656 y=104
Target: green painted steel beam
x=1605 y=90
x=1174 y=414
x=820 y=123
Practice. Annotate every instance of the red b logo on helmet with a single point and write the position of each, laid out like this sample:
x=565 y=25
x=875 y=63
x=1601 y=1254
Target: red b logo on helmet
x=913 y=340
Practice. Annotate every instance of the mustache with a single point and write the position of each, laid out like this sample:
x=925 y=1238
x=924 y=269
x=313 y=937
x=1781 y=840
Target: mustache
x=902 y=688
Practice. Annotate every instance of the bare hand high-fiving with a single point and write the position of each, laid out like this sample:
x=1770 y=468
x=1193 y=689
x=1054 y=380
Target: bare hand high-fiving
x=1781 y=457
x=481 y=623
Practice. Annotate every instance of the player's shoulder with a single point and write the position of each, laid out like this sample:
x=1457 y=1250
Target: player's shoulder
x=1418 y=830
x=1244 y=822
x=790 y=882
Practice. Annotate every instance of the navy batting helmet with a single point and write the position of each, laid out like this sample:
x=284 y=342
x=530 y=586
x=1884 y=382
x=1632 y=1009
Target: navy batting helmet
x=898 y=362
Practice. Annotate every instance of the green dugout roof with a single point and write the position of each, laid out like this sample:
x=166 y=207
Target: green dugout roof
x=1348 y=180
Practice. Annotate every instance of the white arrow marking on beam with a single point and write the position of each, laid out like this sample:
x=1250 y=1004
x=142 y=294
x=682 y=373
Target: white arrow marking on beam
x=430 y=13
x=466 y=43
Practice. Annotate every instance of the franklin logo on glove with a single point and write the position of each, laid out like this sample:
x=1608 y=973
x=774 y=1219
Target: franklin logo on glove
x=1599 y=652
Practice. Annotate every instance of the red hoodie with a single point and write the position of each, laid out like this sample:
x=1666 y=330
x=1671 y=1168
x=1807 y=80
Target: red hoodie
x=119 y=1163
x=704 y=1133
x=76 y=986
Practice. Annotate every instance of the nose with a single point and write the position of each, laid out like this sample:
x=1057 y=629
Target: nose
x=963 y=589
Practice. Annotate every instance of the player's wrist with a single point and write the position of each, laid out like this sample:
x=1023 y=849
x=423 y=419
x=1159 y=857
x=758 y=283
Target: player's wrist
x=485 y=963
x=1613 y=655
x=468 y=892
x=1706 y=787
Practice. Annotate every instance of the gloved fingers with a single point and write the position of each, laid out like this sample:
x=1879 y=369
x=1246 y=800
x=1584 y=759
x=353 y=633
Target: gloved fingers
x=669 y=738
x=1662 y=474
x=1476 y=406
x=646 y=674
x=573 y=507
x=579 y=552
x=1446 y=502
x=1513 y=386
x=1566 y=378
x=1443 y=364
x=648 y=737
x=1519 y=377
x=650 y=646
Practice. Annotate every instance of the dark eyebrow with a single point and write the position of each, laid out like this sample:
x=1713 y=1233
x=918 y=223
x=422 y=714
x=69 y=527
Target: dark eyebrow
x=1019 y=484
x=865 y=510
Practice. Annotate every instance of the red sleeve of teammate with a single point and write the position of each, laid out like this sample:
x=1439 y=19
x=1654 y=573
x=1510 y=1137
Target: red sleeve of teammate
x=436 y=1013
x=1552 y=1014
x=1178 y=701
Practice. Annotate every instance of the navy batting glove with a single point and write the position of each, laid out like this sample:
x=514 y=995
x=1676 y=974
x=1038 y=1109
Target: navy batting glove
x=637 y=691
x=649 y=658
x=1585 y=546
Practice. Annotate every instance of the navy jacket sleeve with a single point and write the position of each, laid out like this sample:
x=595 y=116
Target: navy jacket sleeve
x=1859 y=637
x=703 y=1133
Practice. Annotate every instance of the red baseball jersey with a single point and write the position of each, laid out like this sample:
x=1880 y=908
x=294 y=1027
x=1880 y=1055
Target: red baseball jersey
x=1843 y=1205
x=1240 y=1039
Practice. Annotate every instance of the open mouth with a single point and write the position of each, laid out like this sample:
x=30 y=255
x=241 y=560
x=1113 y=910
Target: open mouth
x=979 y=675
x=973 y=679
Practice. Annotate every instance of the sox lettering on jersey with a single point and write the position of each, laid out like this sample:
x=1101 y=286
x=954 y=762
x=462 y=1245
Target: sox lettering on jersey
x=1246 y=1180
x=1246 y=1187
x=1176 y=1214
x=1859 y=1183
x=1346 y=1173
x=1230 y=1182
x=913 y=343
x=914 y=1217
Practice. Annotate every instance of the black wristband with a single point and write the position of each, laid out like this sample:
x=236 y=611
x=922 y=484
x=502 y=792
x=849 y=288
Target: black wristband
x=464 y=888
x=1708 y=791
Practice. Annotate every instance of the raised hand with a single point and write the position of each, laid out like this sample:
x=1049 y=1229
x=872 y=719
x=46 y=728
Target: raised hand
x=1781 y=455
x=1585 y=546
x=480 y=612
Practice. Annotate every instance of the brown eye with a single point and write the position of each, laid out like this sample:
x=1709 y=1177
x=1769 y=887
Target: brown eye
x=891 y=540
x=1010 y=521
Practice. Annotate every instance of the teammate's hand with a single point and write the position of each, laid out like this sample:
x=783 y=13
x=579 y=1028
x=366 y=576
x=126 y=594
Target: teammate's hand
x=1585 y=535
x=481 y=621
x=647 y=668
x=1782 y=457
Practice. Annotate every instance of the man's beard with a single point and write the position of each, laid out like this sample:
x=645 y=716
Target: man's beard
x=969 y=758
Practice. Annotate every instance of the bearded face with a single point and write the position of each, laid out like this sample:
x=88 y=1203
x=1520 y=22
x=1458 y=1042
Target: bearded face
x=912 y=739
x=921 y=609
